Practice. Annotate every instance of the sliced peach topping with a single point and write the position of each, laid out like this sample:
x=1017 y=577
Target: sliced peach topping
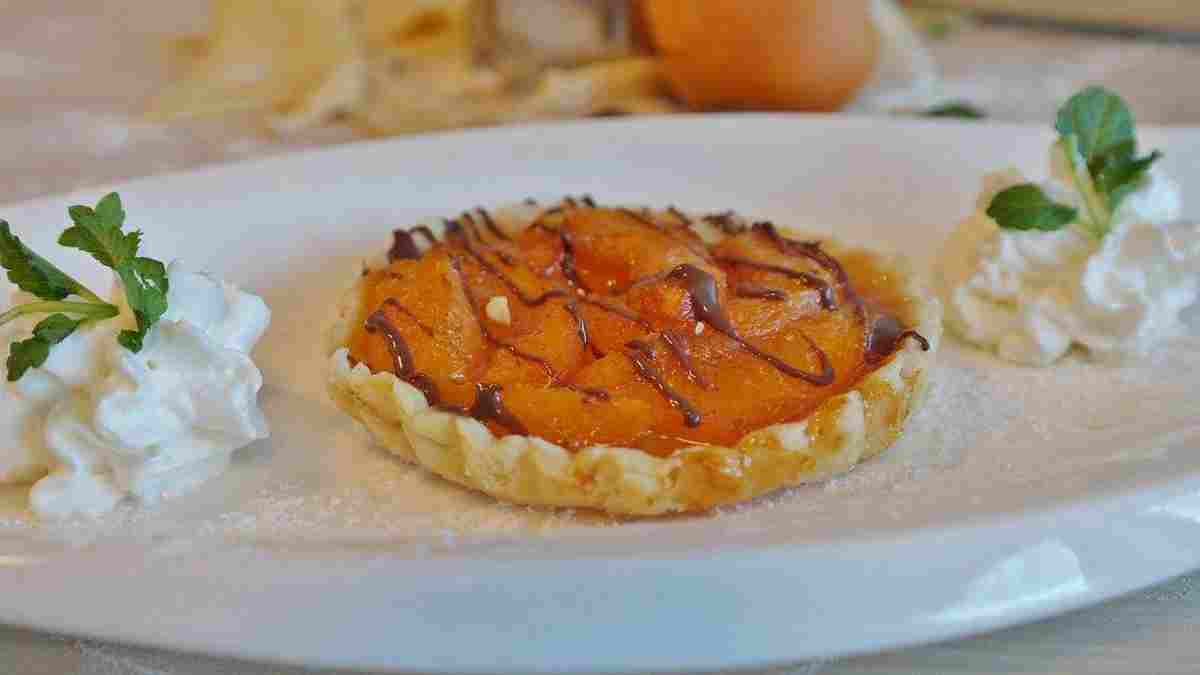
x=623 y=327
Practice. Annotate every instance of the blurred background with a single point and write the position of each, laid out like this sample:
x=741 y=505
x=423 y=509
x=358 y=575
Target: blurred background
x=98 y=91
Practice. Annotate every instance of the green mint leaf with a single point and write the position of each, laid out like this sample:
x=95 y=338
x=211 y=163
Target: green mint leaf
x=959 y=109
x=145 y=282
x=24 y=355
x=98 y=232
x=1118 y=176
x=109 y=210
x=32 y=273
x=132 y=340
x=55 y=328
x=1099 y=119
x=1026 y=207
x=34 y=351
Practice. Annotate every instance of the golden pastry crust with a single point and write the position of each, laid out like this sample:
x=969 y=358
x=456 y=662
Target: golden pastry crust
x=845 y=429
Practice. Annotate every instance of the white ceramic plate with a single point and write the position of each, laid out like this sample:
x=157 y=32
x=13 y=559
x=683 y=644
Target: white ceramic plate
x=1017 y=494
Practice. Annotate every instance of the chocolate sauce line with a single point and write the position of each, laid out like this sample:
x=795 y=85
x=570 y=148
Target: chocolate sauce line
x=641 y=355
x=706 y=306
x=516 y=351
x=588 y=392
x=402 y=360
x=491 y=225
x=592 y=392
x=884 y=327
x=679 y=346
x=533 y=301
x=695 y=247
x=404 y=244
x=620 y=311
x=824 y=290
x=683 y=219
x=581 y=328
x=745 y=289
x=466 y=224
x=640 y=281
x=825 y=377
x=886 y=334
x=489 y=405
x=725 y=222
x=526 y=299
x=569 y=270
x=805 y=249
x=641 y=219
x=395 y=304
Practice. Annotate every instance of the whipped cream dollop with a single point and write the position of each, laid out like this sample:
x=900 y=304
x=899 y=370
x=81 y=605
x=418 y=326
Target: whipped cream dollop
x=97 y=422
x=1031 y=295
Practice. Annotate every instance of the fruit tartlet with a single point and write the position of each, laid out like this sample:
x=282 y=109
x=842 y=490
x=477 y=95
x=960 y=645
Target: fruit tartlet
x=631 y=360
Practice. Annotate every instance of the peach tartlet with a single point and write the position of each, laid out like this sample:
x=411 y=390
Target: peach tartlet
x=631 y=360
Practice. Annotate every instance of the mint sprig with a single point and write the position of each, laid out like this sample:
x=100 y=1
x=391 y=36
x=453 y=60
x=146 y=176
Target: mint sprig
x=1026 y=207
x=97 y=231
x=26 y=354
x=1097 y=137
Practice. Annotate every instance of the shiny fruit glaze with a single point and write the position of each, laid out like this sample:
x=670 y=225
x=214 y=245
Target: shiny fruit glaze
x=625 y=328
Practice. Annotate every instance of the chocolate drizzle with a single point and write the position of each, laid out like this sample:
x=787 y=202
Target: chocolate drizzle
x=683 y=219
x=613 y=308
x=647 y=221
x=588 y=392
x=404 y=244
x=706 y=306
x=745 y=289
x=591 y=392
x=885 y=334
x=641 y=354
x=641 y=219
x=402 y=359
x=525 y=298
x=726 y=221
x=581 y=328
x=487 y=332
x=489 y=405
x=823 y=288
x=395 y=304
x=466 y=229
x=679 y=346
x=490 y=224
x=805 y=249
x=569 y=270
